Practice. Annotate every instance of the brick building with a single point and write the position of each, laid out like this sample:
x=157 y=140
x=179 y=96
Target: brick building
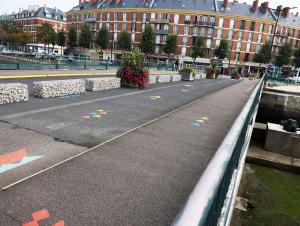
x=247 y=27
x=28 y=20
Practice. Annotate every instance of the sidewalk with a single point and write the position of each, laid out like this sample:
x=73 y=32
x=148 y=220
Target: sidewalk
x=21 y=74
x=141 y=178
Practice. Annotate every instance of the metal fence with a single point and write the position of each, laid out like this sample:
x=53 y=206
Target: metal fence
x=45 y=62
x=212 y=200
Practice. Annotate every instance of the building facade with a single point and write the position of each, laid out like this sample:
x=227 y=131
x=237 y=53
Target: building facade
x=28 y=20
x=247 y=27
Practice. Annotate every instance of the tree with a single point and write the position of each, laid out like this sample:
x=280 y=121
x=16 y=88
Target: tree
x=124 y=41
x=84 y=36
x=24 y=38
x=198 y=49
x=148 y=41
x=222 y=51
x=263 y=55
x=72 y=37
x=103 y=38
x=296 y=60
x=171 y=45
x=284 y=55
x=52 y=38
x=44 y=34
x=61 y=40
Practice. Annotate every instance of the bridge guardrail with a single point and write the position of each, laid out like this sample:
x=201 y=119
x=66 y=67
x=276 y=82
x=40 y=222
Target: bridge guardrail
x=212 y=200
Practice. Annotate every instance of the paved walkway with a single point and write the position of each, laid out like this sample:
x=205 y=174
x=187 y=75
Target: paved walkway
x=25 y=74
x=141 y=178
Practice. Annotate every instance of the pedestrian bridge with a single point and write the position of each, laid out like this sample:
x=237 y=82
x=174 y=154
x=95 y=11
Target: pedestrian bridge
x=168 y=155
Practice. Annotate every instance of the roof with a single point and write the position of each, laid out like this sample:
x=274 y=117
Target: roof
x=44 y=12
x=210 y=6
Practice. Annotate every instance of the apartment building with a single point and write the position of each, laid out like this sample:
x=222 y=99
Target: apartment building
x=247 y=27
x=28 y=20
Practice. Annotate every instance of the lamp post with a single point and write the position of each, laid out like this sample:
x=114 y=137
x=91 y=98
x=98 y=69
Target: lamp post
x=275 y=30
x=229 y=71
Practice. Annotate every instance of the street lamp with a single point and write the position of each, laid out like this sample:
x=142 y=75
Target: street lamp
x=275 y=30
x=229 y=71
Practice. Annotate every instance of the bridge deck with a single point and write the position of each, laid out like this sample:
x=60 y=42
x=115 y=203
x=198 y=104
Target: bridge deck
x=141 y=178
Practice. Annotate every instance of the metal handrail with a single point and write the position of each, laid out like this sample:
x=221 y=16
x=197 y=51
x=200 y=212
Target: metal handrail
x=205 y=203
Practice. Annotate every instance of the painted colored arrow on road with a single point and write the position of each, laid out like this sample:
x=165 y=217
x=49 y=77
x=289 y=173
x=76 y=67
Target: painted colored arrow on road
x=15 y=159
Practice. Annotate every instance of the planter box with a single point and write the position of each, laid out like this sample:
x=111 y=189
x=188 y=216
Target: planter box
x=152 y=79
x=163 y=78
x=175 y=78
x=187 y=76
x=98 y=84
x=13 y=92
x=56 y=88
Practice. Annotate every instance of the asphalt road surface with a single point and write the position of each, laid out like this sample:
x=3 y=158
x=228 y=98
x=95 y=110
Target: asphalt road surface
x=141 y=178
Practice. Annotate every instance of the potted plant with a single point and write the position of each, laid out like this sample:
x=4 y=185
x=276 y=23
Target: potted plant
x=187 y=74
x=132 y=72
x=235 y=75
x=212 y=72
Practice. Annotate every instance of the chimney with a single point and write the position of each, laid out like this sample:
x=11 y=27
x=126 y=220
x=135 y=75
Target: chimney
x=297 y=14
x=255 y=6
x=108 y=2
x=286 y=11
x=278 y=10
x=264 y=7
x=117 y=2
x=143 y=2
x=225 y=4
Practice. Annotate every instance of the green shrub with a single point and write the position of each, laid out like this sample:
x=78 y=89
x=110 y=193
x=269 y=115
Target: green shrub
x=188 y=70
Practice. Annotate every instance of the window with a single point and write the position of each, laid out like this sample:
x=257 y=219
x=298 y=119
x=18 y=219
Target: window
x=257 y=48
x=124 y=16
x=270 y=29
x=133 y=27
x=159 y=16
x=157 y=39
x=152 y=15
x=107 y=26
x=230 y=34
x=250 y=37
x=116 y=16
x=124 y=27
x=238 y=46
x=246 y=57
x=187 y=18
x=248 y=47
x=252 y=26
x=231 y=23
x=204 y=20
x=219 y=34
x=217 y=43
x=175 y=29
x=115 y=26
x=221 y=21
x=241 y=35
x=237 y=56
x=185 y=41
x=259 y=38
x=195 y=30
x=164 y=39
x=210 y=32
x=186 y=29
x=242 y=25
x=143 y=27
x=144 y=17
x=208 y=43
x=132 y=38
x=176 y=19
x=261 y=28
x=134 y=16
x=108 y=17
x=202 y=31
x=212 y=21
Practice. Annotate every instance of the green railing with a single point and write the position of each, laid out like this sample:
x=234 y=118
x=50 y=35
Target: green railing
x=212 y=200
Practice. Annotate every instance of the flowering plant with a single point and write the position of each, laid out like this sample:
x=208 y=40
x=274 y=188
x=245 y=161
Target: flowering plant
x=132 y=73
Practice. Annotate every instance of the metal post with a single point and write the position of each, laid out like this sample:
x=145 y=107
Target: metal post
x=85 y=62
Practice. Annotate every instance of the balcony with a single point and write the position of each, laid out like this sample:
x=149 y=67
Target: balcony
x=162 y=32
x=90 y=20
x=160 y=21
x=204 y=23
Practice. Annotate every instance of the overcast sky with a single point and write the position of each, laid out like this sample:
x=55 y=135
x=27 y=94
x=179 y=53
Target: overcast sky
x=65 y=5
